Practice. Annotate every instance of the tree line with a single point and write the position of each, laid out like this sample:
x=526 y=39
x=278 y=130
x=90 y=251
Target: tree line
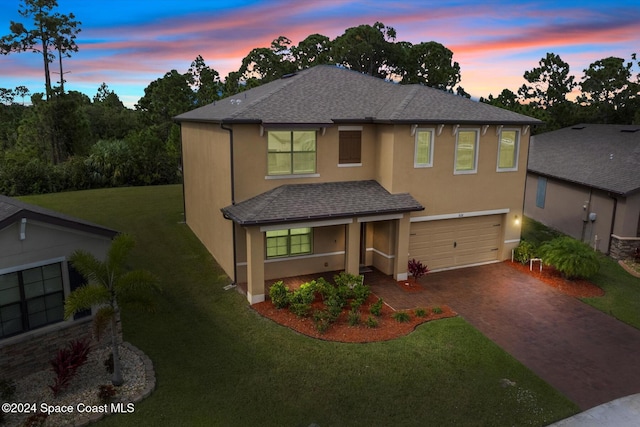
x=64 y=140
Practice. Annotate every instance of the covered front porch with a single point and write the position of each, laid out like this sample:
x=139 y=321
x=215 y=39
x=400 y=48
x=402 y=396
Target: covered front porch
x=350 y=224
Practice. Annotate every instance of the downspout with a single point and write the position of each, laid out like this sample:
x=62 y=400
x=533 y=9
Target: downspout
x=233 y=202
x=613 y=222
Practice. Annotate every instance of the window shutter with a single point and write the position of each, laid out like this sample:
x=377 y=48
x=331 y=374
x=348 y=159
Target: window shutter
x=350 y=146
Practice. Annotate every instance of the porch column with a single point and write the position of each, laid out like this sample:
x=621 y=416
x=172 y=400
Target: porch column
x=401 y=259
x=352 y=248
x=255 y=265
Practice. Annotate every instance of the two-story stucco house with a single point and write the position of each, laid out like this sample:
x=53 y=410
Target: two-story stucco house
x=329 y=169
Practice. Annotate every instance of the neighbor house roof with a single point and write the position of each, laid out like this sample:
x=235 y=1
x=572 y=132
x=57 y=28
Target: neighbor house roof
x=606 y=157
x=303 y=202
x=12 y=210
x=328 y=94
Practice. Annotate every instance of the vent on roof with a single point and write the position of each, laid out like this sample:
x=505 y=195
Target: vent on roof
x=630 y=130
x=578 y=127
x=286 y=76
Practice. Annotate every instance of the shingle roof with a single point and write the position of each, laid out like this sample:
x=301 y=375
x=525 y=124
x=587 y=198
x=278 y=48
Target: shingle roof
x=326 y=94
x=12 y=210
x=606 y=157
x=302 y=202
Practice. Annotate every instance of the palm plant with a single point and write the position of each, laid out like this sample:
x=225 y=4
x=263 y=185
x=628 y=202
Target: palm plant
x=108 y=286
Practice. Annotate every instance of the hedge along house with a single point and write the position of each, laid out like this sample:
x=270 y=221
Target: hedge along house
x=584 y=180
x=35 y=278
x=329 y=169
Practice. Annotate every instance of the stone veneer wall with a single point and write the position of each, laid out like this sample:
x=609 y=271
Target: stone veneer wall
x=622 y=247
x=31 y=352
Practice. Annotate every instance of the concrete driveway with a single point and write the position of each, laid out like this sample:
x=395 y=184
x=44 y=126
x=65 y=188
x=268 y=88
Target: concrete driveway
x=587 y=355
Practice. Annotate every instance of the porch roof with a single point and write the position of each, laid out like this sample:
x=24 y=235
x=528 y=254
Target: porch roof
x=304 y=202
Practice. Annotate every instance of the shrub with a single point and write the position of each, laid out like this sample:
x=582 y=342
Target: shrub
x=420 y=312
x=401 y=316
x=106 y=393
x=324 y=288
x=346 y=279
x=376 y=307
x=66 y=363
x=323 y=320
x=524 y=252
x=334 y=306
x=354 y=317
x=372 y=322
x=361 y=293
x=417 y=269
x=279 y=294
x=300 y=309
x=436 y=310
x=571 y=257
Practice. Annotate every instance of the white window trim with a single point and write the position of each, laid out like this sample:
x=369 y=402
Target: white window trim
x=516 y=154
x=476 y=151
x=415 y=148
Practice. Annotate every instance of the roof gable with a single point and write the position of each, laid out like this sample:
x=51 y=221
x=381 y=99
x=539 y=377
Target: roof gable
x=12 y=210
x=600 y=156
x=327 y=94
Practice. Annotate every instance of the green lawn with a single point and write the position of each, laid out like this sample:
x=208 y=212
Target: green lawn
x=622 y=290
x=219 y=363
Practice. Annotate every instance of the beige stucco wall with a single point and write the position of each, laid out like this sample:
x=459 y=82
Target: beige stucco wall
x=387 y=156
x=207 y=188
x=564 y=210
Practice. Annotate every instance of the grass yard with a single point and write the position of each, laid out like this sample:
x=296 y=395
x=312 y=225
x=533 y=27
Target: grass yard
x=219 y=363
x=622 y=290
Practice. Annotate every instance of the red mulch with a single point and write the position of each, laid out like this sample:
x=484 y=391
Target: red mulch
x=579 y=288
x=387 y=329
x=409 y=285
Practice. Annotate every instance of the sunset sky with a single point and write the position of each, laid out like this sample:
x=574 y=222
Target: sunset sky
x=130 y=43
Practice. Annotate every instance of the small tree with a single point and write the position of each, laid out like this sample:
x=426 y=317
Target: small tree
x=417 y=269
x=571 y=257
x=108 y=286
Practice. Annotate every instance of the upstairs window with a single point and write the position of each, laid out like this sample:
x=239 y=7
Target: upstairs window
x=291 y=152
x=291 y=242
x=30 y=299
x=350 y=142
x=466 y=157
x=423 y=156
x=508 y=146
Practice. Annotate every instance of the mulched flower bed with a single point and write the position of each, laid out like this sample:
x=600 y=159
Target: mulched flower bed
x=387 y=329
x=579 y=288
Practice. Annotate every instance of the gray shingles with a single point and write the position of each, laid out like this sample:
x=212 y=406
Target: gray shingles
x=599 y=156
x=325 y=94
x=300 y=202
x=12 y=210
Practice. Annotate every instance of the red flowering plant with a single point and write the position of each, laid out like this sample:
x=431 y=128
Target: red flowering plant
x=417 y=269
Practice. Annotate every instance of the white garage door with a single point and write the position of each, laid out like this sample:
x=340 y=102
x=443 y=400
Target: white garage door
x=456 y=242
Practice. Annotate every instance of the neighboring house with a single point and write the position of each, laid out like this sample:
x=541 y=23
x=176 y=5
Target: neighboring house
x=329 y=169
x=584 y=180
x=35 y=278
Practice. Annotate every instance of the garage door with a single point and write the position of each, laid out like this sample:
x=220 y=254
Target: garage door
x=456 y=242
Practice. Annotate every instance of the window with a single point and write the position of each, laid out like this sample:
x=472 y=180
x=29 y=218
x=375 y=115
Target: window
x=542 y=192
x=295 y=241
x=466 y=160
x=291 y=152
x=30 y=299
x=508 y=145
x=350 y=142
x=423 y=156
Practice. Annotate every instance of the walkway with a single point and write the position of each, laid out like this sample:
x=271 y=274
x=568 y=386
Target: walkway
x=587 y=355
